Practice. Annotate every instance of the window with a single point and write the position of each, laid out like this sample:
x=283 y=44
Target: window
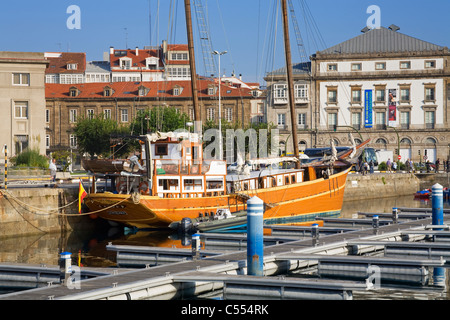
x=21 y=143
x=332 y=121
x=281 y=119
x=72 y=66
x=211 y=91
x=191 y=114
x=90 y=113
x=381 y=120
x=301 y=119
x=332 y=67
x=73 y=115
x=301 y=91
x=280 y=91
x=107 y=92
x=176 y=91
x=73 y=92
x=404 y=119
x=430 y=64
x=161 y=149
x=124 y=115
x=125 y=64
x=47 y=141
x=380 y=95
x=356 y=95
x=430 y=94
x=404 y=95
x=229 y=114
x=332 y=96
x=380 y=66
x=21 y=79
x=356 y=120
x=73 y=141
x=51 y=78
x=210 y=114
x=47 y=115
x=356 y=66
x=179 y=56
x=430 y=119
x=107 y=114
x=405 y=65
x=21 y=110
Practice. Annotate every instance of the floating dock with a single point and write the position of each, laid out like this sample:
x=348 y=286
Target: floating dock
x=334 y=247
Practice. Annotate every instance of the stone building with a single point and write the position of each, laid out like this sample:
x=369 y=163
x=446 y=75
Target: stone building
x=382 y=85
x=22 y=101
x=121 y=101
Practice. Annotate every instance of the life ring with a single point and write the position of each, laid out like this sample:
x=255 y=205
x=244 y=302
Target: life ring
x=143 y=187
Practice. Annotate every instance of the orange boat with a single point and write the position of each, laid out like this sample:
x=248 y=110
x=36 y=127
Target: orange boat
x=177 y=185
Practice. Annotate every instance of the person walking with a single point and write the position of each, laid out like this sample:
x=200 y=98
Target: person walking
x=437 y=163
x=389 y=165
x=52 y=168
x=394 y=166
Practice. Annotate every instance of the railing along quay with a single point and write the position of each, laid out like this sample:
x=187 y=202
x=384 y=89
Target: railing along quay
x=175 y=280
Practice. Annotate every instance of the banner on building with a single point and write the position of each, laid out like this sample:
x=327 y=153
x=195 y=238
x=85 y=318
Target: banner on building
x=392 y=106
x=368 y=108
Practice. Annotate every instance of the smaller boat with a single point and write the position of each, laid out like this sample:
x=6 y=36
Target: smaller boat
x=423 y=194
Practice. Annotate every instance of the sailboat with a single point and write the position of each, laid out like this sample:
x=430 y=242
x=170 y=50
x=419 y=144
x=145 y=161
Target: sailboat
x=172 y=181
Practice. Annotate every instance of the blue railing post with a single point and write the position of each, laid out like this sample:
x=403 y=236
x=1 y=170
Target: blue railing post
x=437 y=199
x=255 y=237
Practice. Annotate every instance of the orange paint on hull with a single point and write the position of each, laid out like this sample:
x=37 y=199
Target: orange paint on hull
x=283 y=203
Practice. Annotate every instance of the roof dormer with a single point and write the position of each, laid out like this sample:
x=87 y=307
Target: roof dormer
x=125 y=63
x=74 y=92
x=143 y=91
x=177 y=90
x=108 y=91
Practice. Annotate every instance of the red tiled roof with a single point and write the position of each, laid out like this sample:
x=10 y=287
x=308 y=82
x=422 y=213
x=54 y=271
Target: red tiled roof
x=137 y=61
x=59 y=65
x=130 y=90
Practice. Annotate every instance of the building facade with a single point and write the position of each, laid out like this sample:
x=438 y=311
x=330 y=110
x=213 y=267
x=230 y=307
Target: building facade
x=384 y=86
x=122 y=101
x=22 y=101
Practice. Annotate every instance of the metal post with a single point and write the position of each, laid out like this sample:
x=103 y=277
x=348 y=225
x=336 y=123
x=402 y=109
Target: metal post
x=376 y=222
x=437 y=199
x=65 y=265
x=395 y=215
x=196 y=245
x=315 y=233
x=255 y=237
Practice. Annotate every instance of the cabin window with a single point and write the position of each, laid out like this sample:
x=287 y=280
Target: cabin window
x=293 y=178
x=214 y=184
x=245 y=185
x=161 y=150
x=193 y=184
x=286 y=180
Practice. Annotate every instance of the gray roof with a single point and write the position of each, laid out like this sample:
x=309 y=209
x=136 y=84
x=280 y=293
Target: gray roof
x=297 y=68
x=98 y=66
x=381 y=40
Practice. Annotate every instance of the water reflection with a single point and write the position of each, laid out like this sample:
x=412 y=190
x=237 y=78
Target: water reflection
x=89 y=248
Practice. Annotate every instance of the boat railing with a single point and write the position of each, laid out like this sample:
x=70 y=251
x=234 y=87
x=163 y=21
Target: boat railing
x=183 y=167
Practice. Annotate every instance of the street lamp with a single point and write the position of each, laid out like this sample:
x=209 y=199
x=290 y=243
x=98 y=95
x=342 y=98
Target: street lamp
x=220 y=110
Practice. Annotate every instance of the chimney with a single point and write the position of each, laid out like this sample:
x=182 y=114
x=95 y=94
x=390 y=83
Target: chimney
x=137 y=51
x=111 y=50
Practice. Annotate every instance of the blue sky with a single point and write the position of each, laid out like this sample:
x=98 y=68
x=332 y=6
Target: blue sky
x=239 y=26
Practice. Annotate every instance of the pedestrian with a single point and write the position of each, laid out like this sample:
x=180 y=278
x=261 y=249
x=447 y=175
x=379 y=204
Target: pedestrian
x=366 y=168
x=408 y=166
x=437 y=165
x=52 y=168
x=394 y=166
x=389 y=165
x=371 y=165
x=427 y=164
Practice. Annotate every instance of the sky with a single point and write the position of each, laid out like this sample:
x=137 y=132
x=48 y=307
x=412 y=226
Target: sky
x=249 y=30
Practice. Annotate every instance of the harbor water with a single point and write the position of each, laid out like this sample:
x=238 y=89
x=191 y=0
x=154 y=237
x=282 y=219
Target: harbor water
x=89 y=249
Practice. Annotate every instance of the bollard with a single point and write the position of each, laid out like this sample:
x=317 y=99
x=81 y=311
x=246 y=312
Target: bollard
x=437 y=199
x=196 y=246
x=255 y=237
x=375 y=222
x=395 y=215
x=315 y=233
x=65 y=265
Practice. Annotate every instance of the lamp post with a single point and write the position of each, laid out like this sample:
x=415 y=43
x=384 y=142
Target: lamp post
x=220 y=109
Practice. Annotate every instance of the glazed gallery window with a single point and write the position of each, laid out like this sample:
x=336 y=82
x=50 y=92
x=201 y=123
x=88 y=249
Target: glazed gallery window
x=21 y=79
x=21 y=110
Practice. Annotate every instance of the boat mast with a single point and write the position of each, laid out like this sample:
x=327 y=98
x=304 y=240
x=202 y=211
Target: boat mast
x=287 y=50
x=187 y=4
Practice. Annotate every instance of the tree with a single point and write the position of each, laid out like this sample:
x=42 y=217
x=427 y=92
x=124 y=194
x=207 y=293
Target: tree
x=93 y=135
x=162 y=119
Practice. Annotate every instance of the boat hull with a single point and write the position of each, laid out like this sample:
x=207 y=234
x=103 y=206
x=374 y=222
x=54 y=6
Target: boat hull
x=289 y=204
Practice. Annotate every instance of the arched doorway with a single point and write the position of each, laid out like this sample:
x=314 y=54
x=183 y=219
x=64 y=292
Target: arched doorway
x=430 y=149
x=405 y=149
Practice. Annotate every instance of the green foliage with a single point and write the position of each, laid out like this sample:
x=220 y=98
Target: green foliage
x=30 y=158
x=382 y=166
x=162 y=119
x=93 y=135
x=62 y=157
